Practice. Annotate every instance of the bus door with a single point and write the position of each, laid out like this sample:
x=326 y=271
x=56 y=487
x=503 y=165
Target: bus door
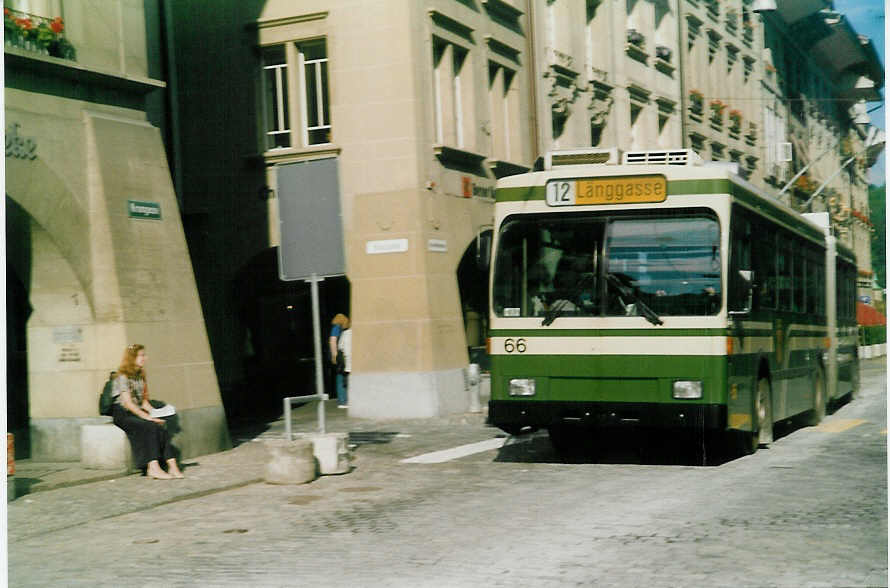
x=743 y=354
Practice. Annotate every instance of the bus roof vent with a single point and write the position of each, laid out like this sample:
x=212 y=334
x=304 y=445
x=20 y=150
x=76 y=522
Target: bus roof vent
x=667 y=157
x=581 y=157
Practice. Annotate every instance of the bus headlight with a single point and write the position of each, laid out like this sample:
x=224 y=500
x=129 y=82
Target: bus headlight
x=522 y=387
x=687 y=389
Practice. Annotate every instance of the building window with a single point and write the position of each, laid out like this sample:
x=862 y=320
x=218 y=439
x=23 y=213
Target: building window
x=749 y=67
x=504 y=108
x=714 y=40
x=453 y=94
x=732 y=56
x=310 y=85
x=316 y=110
x=275 y=98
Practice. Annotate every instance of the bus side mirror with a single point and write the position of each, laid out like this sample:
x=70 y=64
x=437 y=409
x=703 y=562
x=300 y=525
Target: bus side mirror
x=745 y=283
x=483 y=249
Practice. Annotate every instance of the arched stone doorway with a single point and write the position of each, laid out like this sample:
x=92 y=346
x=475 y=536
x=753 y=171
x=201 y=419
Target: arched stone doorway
x=50 y=375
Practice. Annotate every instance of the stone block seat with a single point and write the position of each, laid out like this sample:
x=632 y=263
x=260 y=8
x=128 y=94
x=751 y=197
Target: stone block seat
x=104 y=446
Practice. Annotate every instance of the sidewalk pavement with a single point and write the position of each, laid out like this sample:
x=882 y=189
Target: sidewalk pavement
x=55 y=496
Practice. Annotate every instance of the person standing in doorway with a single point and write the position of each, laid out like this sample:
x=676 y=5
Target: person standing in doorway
x=344 y=346
x=339 y=325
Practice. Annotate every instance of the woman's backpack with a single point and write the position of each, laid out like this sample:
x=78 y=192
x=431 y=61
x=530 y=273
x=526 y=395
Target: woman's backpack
x=106 y=400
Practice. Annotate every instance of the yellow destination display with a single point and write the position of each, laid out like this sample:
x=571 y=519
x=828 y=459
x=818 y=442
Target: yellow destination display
x=621 y=190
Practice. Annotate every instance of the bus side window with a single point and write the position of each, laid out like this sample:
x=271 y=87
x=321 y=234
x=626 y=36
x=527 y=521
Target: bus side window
x=798 y=252
x=812 y=277
x=739 y=260
x=764 y=261
x=784 y=273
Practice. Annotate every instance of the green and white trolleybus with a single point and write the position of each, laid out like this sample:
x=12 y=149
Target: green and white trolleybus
x=656 y=290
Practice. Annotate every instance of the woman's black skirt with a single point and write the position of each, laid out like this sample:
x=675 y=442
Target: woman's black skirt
x=148 y=440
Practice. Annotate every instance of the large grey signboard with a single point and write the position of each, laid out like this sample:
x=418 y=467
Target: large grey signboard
x=311 y=222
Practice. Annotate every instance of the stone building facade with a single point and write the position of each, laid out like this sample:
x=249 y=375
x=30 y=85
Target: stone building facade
x=95 y=249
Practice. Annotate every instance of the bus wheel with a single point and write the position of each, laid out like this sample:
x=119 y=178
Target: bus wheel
x=763 y=412
x=820 y=401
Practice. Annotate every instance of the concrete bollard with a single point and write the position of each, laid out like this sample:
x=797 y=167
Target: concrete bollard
x=473 y=384
x=290 y=462
x=332 y=452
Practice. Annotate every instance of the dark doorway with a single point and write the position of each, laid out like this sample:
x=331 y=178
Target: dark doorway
x=18 y=309
x=278 y=348
x=472 y=283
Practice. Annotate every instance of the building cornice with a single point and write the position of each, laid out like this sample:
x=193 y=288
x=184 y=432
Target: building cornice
x=289 y=20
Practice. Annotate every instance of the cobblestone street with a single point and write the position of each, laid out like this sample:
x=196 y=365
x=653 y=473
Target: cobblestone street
x=809 y=511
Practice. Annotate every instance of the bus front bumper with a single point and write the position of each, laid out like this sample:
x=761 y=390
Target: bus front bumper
x=512 y=414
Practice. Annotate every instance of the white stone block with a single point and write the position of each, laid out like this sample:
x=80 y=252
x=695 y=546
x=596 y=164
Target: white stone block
x=332 y=452
x=290 y=462
x=105 y=447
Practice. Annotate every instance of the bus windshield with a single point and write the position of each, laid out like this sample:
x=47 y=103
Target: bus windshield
x=572 y=265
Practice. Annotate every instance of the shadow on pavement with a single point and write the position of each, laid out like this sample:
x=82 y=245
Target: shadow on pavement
x=246 y=431
x=631 y=446
x=359 y=438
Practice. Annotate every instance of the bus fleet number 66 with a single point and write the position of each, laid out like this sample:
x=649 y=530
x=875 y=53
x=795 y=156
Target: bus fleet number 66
x=517 y=345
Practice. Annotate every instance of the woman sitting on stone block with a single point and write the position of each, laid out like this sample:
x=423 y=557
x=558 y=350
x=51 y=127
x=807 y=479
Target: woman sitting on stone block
x=148 y=436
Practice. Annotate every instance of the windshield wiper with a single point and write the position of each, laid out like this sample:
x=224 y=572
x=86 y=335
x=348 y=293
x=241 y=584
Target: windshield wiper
x=562 y=304
x=641 y=308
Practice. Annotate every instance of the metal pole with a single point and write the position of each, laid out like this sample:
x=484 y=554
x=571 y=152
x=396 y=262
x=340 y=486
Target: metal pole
x=806 y=168
x=287 y=425
x=316 y=331
x=807 y=204
x=831 y=312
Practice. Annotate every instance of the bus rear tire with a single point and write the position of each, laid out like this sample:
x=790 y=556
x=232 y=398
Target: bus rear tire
x=763 y=413
x=821 y=400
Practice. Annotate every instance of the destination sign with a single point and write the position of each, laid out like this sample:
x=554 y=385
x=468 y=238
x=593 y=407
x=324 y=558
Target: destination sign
x=611 y=190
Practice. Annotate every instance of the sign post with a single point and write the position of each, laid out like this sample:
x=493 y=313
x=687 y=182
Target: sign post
x=311 y=242
x=317 y=336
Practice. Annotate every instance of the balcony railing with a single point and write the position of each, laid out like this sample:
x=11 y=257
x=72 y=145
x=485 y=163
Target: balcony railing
x=44 y=36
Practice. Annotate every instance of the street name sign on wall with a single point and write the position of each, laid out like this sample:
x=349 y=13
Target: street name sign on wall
x=148 y=210
x=311 y=224
x=386 y=246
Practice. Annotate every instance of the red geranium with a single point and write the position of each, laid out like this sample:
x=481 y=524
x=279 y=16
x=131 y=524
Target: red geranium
x=57 y=25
